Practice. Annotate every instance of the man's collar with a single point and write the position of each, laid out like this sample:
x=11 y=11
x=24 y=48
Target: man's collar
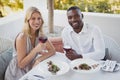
x=84 y=29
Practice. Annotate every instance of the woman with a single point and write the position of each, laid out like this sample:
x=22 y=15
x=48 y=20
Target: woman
x=28 y=46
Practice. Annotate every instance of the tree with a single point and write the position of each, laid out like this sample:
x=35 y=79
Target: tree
x=50 y=15
x=102 y=6
x=14 y=5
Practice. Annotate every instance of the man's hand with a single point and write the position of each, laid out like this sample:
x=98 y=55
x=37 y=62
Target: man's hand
x=71 y=54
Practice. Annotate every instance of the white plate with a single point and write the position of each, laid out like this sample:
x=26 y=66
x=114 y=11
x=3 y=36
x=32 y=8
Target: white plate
x=64 y=67
x=89 y=62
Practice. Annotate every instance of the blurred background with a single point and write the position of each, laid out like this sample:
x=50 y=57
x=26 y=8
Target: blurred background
x=103 y=13
x=100 y=6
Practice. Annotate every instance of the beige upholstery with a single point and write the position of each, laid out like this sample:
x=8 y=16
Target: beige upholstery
x=57 y=43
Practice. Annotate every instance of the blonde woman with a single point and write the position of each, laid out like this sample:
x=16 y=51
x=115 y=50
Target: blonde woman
x=27 y=46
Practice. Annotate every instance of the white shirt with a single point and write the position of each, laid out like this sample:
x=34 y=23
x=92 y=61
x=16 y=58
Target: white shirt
x=89 y=42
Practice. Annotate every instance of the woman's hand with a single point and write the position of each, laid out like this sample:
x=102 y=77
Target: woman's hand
x=39 y=47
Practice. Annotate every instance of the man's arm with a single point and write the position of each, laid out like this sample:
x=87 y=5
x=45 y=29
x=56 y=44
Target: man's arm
x=99 y=46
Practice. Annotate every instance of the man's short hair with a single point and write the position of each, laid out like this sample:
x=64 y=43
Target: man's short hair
x=73 y=8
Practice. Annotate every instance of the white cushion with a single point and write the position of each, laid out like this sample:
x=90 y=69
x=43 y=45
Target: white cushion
x=5 y=44
x=113 y=52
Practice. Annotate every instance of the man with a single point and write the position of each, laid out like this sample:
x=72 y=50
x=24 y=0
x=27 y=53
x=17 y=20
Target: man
x=85 y=41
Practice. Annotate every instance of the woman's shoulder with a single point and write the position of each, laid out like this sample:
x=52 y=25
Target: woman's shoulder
x=20 y=40
x=21 y=36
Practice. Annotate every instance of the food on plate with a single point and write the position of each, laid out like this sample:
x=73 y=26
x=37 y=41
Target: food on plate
x=82 y=66
x=52 y=67
x=94 y=66
x=85 y=66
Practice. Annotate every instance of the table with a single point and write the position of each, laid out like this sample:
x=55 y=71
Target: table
x=71 y=75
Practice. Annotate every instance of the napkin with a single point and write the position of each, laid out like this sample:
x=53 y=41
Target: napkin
x=109 y=65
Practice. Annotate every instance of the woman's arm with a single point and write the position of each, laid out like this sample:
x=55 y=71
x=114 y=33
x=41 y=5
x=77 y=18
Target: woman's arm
x=23 y=57
x=51 y=51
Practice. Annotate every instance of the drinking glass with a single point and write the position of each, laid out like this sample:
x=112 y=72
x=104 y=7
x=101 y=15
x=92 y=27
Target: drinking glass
x=70 y=53
x=43 y=39
x=67 y=48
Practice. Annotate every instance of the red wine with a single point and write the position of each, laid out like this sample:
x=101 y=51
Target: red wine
x=43 y=39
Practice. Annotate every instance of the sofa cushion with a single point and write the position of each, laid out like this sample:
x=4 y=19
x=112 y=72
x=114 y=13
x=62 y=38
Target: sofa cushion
x=113 y=51
x=5 y=58
x=4 y=44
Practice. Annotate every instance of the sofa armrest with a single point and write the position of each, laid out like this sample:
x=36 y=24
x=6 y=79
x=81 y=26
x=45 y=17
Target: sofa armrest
x=57 y=43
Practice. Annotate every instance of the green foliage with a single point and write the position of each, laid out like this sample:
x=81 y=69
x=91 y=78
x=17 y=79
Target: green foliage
x=12 y=5
x=102 y=6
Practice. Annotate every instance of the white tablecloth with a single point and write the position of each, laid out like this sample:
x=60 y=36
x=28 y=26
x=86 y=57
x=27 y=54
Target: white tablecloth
x=71 y=75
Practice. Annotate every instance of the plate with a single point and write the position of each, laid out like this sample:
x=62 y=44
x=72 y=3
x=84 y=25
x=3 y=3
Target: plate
x=95 y=66
x=63 y=66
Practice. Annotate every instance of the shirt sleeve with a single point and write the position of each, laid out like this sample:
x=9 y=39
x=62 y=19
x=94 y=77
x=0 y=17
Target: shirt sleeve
x=98 y=44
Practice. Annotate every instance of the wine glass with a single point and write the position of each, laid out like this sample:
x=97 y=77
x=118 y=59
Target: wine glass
x=67 y=48
x=70 y=53
x=43 y=39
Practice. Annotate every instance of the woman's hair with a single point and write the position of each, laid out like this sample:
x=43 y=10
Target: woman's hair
x=26 y=28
